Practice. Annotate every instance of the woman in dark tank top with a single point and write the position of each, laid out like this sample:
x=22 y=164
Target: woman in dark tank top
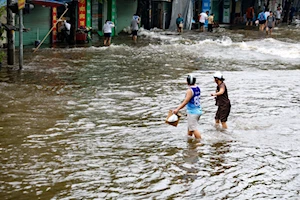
x=222 y=100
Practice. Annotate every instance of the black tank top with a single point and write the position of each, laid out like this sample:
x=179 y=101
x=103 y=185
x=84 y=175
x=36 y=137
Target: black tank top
x=222 y=99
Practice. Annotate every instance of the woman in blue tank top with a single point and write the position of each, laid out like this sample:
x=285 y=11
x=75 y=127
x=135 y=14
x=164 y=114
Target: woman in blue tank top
x=193 y=107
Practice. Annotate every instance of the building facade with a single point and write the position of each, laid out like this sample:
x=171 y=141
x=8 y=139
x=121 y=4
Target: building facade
x=83 y=13
x=153 y=13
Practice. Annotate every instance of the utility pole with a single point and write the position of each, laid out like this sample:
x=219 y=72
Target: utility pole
x=10 y=36
x=73 y=19
x=232 y=16
x=150 y=14
x=21 y=38
x=21 y=5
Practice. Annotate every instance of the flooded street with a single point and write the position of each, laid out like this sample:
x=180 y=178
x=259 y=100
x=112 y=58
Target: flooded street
x=89 y=123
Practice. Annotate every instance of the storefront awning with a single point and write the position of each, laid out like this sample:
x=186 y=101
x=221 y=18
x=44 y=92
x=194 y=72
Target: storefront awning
x=49 y=3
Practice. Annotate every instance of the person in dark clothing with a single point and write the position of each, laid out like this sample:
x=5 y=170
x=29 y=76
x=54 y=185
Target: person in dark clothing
x=270 y=23
x=222 y=100
x=292 y=12
x=249 y=15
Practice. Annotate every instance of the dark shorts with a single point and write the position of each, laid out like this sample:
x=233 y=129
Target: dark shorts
x=134 y=33
x=262 y=21
x=249 y=19
x=201 y=24
x=223 y=112
x=107 y=34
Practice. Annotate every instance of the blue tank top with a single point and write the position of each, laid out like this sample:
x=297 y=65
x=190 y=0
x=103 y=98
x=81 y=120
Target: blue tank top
x=193 y=106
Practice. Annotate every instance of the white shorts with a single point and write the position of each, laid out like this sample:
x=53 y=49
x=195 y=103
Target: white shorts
x=193 y=121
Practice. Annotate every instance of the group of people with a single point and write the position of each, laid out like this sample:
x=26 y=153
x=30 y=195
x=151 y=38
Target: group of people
x=193 y=106
x=202 y=18
x=266 y=19
x=250 y=14
x=107 y=29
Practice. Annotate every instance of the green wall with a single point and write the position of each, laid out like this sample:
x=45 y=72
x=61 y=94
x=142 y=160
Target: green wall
x=38 y=21
x=215 y=9
x=125 y=11
x=111 y=13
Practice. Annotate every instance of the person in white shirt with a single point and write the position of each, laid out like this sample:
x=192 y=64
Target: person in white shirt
x=67 y=27
x=267 y=13
x=278 y=14
x=134 y=26
x=202 y=18
x=107 y=32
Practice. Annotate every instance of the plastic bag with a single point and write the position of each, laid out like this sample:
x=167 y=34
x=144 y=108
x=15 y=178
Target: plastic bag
x=171 y=119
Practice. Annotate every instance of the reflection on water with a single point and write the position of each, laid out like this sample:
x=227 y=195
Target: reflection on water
x=88 y=123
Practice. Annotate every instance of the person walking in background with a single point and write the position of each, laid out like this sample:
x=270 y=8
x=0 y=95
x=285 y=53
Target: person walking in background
x=134 y=26
x=267 y=13
x=249 y=15
x=63 y=31
x=262 y=20
x=278 y=13
x=192 y=103
x=202 y=18
x=292 y=12
x=67 y=26
x=266 y=7
x=107 y=30
x=210 y=23
x=270 y=23
x=179 y=23
x=279 y=6
x=222 y=101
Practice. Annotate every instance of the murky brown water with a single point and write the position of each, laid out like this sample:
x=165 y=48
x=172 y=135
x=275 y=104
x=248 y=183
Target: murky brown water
x=88 y=123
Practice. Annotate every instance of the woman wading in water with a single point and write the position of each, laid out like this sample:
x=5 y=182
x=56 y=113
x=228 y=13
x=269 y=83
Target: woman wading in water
x=222 y=100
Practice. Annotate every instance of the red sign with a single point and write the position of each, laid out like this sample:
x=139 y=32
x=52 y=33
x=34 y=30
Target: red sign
x=81 y=13
x=54 y=20
x=21 y=4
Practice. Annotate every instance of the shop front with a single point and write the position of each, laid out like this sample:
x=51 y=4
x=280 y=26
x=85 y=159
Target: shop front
x=162 y=10
x=118 y=11
x=38 y=24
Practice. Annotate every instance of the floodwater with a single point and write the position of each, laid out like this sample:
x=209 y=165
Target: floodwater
x=89 y=123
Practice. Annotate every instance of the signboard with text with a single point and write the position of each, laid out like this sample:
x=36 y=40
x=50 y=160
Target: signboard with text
x=81 y=13
x=21 y=4
x=54 y=21
x=206 y=7
x=226 y=11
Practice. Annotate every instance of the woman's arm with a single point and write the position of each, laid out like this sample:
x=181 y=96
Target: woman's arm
x=222 y=90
